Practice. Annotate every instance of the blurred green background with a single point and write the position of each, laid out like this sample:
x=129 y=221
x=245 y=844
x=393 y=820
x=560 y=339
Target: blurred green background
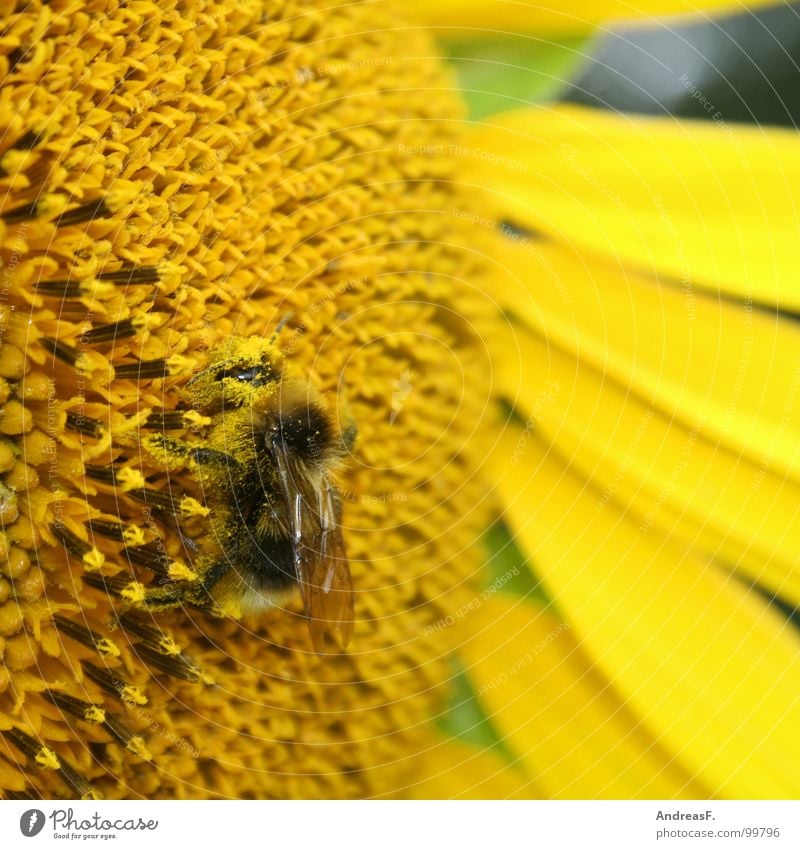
x=746 y=65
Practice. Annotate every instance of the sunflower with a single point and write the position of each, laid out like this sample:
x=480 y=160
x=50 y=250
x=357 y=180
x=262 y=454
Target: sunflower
x=647 y=472
x=179 y=178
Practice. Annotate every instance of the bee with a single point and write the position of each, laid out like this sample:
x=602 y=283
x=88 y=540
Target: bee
x=266 y=466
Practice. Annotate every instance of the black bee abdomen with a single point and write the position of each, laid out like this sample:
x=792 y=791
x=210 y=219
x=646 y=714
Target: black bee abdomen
x=305 y=433
x=264 y=565
x=268 y=564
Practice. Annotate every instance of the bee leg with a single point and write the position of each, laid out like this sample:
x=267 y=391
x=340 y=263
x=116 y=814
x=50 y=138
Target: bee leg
x=219 y=468
x=172 y=454
x=169 y=597
x=214 y=574
x=189 y=545
x=175 y=454
x=197 y=594
x=162 y=598
x=211 y=457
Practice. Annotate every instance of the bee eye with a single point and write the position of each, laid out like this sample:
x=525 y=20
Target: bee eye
x=254 y=375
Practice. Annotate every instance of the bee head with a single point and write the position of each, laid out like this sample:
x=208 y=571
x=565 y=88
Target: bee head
x=303 y=429
x=234 y=373
x=252 y=375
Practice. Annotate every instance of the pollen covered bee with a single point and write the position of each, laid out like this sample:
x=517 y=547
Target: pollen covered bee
x=266 y=468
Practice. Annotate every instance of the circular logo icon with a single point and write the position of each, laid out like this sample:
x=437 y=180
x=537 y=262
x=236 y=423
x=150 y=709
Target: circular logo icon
x=31 y=822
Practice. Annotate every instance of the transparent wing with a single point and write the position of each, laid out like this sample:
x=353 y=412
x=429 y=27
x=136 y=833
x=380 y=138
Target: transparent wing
x=323 y=570
x=335 y=600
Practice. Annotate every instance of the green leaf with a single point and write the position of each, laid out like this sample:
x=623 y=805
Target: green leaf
x=507 y=569
x=466 y=721
x=507 y=572
x=509 y=72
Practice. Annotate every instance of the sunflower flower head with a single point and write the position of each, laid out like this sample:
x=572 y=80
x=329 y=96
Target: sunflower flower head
x=174 y=178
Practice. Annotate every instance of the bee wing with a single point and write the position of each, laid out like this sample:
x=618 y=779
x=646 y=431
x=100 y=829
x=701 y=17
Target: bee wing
x=336 y=599
x=323 y=570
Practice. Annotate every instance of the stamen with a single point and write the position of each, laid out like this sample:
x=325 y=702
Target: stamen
x=73 y=779
x=85 y=711
x=60 y=288
x=21 y=213
x=89 y=556
x=132 y=741
x=109 y=681
x=68 y=288
x=28 y=140
x=133 y=274
x=119 y=586
x=111 y=332
x=60 y=350
x=21 y=795
x=172 y=505
x=102 y=645
x=177 y=666
x=153 y=637
x=118 y=531
x=83 y=213
x=73 y=543
x=41 y=754
x=143 y=370
x=104 y=474
x=19 y=156
x=84 y=425
x=165 y=420
x=15 y=56
x=148 y=556
x=159 y=498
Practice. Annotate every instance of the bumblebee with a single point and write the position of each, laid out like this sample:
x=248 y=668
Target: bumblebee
x=266 y=466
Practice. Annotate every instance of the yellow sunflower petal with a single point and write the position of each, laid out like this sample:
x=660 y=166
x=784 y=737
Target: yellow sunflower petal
x=707 y=665
x=488 y=16
x=679 y=404
x=449 y=769
x=559 y=715
x=702 y=203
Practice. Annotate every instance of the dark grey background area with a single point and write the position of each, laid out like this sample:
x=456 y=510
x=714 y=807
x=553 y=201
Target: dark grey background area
x=746 y=67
